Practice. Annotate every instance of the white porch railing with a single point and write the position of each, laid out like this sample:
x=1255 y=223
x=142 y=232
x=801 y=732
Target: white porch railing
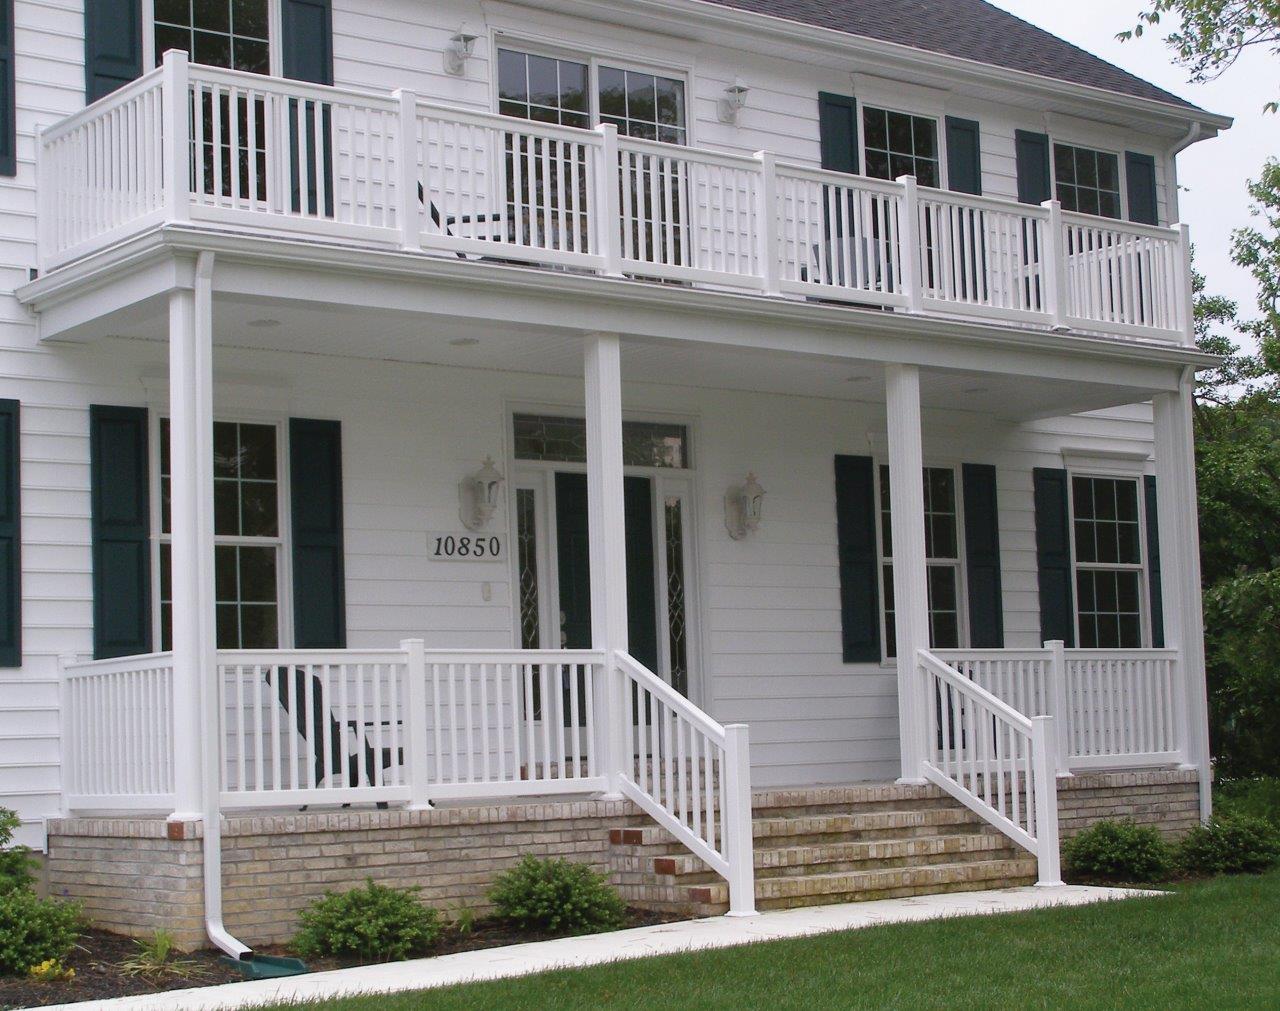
x=993 y=759
x=281 y=157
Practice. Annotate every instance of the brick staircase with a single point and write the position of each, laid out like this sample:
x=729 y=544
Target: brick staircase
x=827 y=845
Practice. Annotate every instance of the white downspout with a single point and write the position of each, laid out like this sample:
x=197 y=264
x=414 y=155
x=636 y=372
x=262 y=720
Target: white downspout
x=1171 y=167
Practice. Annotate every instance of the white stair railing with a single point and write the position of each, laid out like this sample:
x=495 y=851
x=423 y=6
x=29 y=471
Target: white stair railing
x=997 y=762
x=691 y=775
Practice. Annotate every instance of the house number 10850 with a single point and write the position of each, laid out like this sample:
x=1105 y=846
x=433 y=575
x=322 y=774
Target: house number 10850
x=447 y=547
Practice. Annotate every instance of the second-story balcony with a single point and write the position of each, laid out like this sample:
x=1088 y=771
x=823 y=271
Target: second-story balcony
x=269 y=157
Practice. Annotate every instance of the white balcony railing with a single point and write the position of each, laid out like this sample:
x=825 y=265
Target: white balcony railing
x=280 y=157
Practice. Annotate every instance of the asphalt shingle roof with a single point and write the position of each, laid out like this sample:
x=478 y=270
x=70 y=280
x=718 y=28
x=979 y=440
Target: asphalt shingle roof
x=970 y=29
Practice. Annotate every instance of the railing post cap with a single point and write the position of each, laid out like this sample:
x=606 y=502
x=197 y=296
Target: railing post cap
x=607 y=128
x=173 y=56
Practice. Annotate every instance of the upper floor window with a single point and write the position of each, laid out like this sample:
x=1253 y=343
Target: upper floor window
x=220 y=33
x=642 y=105
x=1108 y=561
x=899 y=144
x=542 y=88
x=1087 y=181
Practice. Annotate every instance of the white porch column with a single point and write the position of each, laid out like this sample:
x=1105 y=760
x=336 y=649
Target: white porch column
x=608 y=537
x=191 y=510
x=910 y=591
x=1180 y=571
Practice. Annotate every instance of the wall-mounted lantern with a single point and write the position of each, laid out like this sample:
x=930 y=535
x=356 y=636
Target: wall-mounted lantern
x=478 y=496
x=461 y=48
x=733 y=101
x=742 y=508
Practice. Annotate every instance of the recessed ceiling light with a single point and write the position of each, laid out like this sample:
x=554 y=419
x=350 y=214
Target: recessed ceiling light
x=464 y=342
x=264 y=322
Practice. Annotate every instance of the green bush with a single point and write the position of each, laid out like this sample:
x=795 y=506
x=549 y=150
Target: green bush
x=34 y=930
x=1118 y=851
x=557 y=897
x=16 y=864
x=1233 y=844
x=1257 y=798
x=373 y=924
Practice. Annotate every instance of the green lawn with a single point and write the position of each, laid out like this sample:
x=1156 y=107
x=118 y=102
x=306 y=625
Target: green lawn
x=1214 y=944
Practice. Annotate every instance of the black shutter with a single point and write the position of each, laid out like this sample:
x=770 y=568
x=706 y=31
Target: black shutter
x=964 y=156
x=1140 y=174
x=982 y=556
x=10 y=537
x=1053 y=555
x=319 y=578
x=859 y=578
x=8 y=102
x=838 y=132
x=308 y=40
x=112 y=45
x=1034 y=184
x=121 y=529
x=1153 y=565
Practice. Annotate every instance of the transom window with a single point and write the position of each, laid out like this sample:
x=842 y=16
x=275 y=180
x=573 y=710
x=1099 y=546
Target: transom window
x=899 y=144
x=1109 y=567
x=1087 y=181
x=564 y=440
x=247 y=536
x=642 y=105
x=220 y=33
x=942 y=552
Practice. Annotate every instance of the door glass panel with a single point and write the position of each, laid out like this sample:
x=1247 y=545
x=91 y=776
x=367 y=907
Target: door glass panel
x=527 y=563
x=677 y=623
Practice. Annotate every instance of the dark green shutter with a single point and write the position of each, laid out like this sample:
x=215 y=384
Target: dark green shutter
x=1140 y=176
x=10 y=537
x=319 y=575
x=1153 y=565
x=859 y=576
x=121 y=531
x=838 y=132
x=964 y=156
x=308 y=40
x=1053 y=555
x=1034 y=183
x=8 y=102
x=982 y=556
x=112 y=45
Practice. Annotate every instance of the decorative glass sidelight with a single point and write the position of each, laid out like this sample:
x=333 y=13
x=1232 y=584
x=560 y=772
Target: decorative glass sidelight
x=527 y=567
x=677 y=620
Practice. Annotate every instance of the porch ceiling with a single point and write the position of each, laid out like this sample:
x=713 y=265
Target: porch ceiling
x=450 y=340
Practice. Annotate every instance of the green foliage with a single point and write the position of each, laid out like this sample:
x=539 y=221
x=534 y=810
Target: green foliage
x=1256 y=798
x=374 y=924
x=34 y=930
x=1118 y=851
x=557 y=897
x=157 y=957
x=464 y=922
x=16 y=863
x=1230 y=845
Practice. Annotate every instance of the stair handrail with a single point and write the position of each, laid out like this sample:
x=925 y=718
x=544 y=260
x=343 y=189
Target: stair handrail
x=677 y=745
x=998 y=762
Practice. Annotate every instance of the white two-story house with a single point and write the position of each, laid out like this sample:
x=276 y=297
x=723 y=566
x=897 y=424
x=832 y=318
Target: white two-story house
x=657 y=408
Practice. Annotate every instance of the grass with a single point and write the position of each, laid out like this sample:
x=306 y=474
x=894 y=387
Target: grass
x=1213 y=944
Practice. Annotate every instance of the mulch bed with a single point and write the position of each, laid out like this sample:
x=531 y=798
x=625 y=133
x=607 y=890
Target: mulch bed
x=97 y=957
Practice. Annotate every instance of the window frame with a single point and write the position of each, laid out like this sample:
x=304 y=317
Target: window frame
x=283 y=541
x=939 y=138
x=275 y=55
x=960 y=563
x=1142 y=567
x=1121 y=178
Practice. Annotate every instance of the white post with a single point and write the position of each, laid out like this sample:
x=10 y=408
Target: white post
x=767 y=225
x=191 y=482
x=912 y=249
x=416 y=723
x=1060 y=704
x=910 y=589
x=1180 y=575
x=1185 y=291
x=607 y=204
x=1054 y=274
x=69 y=746
x=740 y=848
x=408 y=204
x=176 y=127
x=1046 y=800
x=607 y=533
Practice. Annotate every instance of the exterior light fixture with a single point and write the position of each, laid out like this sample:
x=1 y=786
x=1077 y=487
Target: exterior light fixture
x=478 y=496
x=742 y=508
x=734 y=99
x=461 y=48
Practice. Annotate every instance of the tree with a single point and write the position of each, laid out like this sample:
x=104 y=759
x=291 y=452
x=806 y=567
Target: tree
x=1214 y=33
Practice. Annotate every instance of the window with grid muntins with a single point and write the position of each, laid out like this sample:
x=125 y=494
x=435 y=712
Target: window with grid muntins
x=1087 y=181
x=1109 y=566
x=643 y=105
x=220 y=33
x=899 y=144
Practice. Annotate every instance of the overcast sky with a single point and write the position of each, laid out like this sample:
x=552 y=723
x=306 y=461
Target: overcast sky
x=1212 y=173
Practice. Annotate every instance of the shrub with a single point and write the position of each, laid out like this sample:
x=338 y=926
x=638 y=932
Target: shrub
x=34 y=930
x=374 y=924
x=16 y=864
x=557 y=897
x=1118 y=851
x=1258 y=798
x=1233 y=844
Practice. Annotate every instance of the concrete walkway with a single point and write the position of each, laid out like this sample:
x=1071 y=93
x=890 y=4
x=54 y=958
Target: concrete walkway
x=640 y=942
